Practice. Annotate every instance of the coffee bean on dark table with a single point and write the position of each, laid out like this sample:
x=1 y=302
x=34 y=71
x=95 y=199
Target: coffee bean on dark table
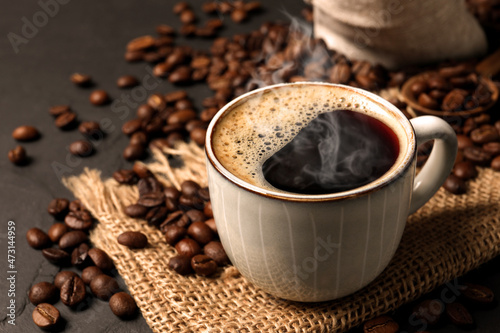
x=180 y=264
x=133 y=239
x=477 y=294
x=66 y=120
x=215 y=251
x=77 y=206
x=188 y=247
x=382 y=324
x=18 y=155
x=57 y=110
x=484 y=134
x=43 y=292
x=173 y=234
x=131 y=126
x=136 y=211
x=101 y=259
x=56 y=256
x=464 y=141
x=79 y=220
x=58 y=207
x=200 y=232
x=142 y=170
x=138 y=138
x=203 y=265
x=25 y=133
x=89 y=273
x=90 y=129
x=492 y=148
x=134 y=152
x=104 y=286
x=37 y=238
x=62 y=276
x=99 y=97
x=429 y=311
x=124 y=176
x=82 y=80
x=459 y=315
x=56 y=231
x=79 y=256
x=72 y=239
x=123 y=305
x=73 y=291
x=46 y=316
x=127 y=81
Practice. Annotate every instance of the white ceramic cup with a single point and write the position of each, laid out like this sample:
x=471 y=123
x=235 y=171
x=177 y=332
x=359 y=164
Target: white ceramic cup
x=322 y=247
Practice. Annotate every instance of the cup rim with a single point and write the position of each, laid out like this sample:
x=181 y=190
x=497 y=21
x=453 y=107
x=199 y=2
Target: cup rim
x=383 y=181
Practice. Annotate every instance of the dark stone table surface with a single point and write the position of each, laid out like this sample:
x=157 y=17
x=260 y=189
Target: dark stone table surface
x=35 y=64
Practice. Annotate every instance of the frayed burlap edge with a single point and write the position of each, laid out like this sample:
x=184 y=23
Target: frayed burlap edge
x=447 y=237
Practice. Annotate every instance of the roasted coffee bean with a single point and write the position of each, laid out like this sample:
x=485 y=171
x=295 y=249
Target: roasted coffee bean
x=145 y=111
x=427 y=101
x=90 y=129
x=171 y=204
x=211 y=224
x=82 y=80
x=382 y=324
x=133 y=239
x=239 y=15
x=81 y=148
x=149 y=185
x=477 y=294
x=152 y=199
x=207 y=210
x=188 y=247
x=138 y=138
x=180 y=264
x=438 y=95
x=134 y=56
x=25 y=133
x=196 y=215
x=56 y=231
x=492 y=148
x=495 y=163
x=173 y=138
x=180 y=75
x=140 y=43
x=484 y=134
x=175 y=96
x=455 y=185
x=136 y=211
x=101 y=259
x=198 y=135
x=453 y=71
x=134 y=152
x=124 y=176
x=190 y=201
x=132 y=126
x=172 y=219
x=99 y=97
x=18 y=155
x=46 y=316
x=123 y=305
x=72 y=238
x=77 y=206
x=37 y=238
x=459 y=315
x=141 y=170
x=166 y=30
x=157 y=102
x=56 y=256
x=465 y=170
x=89 y=273
x=62 y=276
x=43 y=292
x=210 y=7
x=340 y=73
x=464 y=141
x=437 y=82
x=79 y=256
x=203 y=265
x=189 y=187
x=173 y=234
x=180 y=7
x=172 y=193
x=127 y=81
x=57 y=110
x=454 y=100
x=429 y=311
x=215 y=251
x=104 y=286
x=477 y=155
x=200 y=232
x=187 y=16
x=418 y=87
x=73 y=291
x=156 y=215
x=66 y=120
x=79 y=220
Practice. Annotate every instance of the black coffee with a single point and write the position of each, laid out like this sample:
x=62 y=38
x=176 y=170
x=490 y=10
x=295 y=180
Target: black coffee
x=337 y=151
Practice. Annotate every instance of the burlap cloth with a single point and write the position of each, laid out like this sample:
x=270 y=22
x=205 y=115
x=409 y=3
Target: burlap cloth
x=447 y=237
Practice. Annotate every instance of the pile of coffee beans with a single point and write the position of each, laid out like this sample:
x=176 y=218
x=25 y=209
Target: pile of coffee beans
x=66 y=244
x=452 y=88
x=184 y=216
x=433 y=312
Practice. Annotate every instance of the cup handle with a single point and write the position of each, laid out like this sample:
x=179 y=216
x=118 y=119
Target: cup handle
x=440 y=162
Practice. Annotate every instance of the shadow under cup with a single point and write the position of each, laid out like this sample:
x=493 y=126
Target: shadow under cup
x=297 y=246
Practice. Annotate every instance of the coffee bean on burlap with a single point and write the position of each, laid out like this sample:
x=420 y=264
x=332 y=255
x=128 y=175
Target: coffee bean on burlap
x=180 y=264
x=133 y=239
x=200 y=232
x=124 y=176
x=203 y=265
x=188 y=247
x=455 y=185
x=43 y=292
x=215 y=251
x=136 y=211
x=465 y=170
x=174 y=234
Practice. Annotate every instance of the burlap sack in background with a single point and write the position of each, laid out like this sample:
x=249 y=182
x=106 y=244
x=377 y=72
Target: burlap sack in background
x=397 y=33
x=447 y=237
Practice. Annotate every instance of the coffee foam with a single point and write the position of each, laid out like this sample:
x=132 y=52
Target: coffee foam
x=256 y=128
